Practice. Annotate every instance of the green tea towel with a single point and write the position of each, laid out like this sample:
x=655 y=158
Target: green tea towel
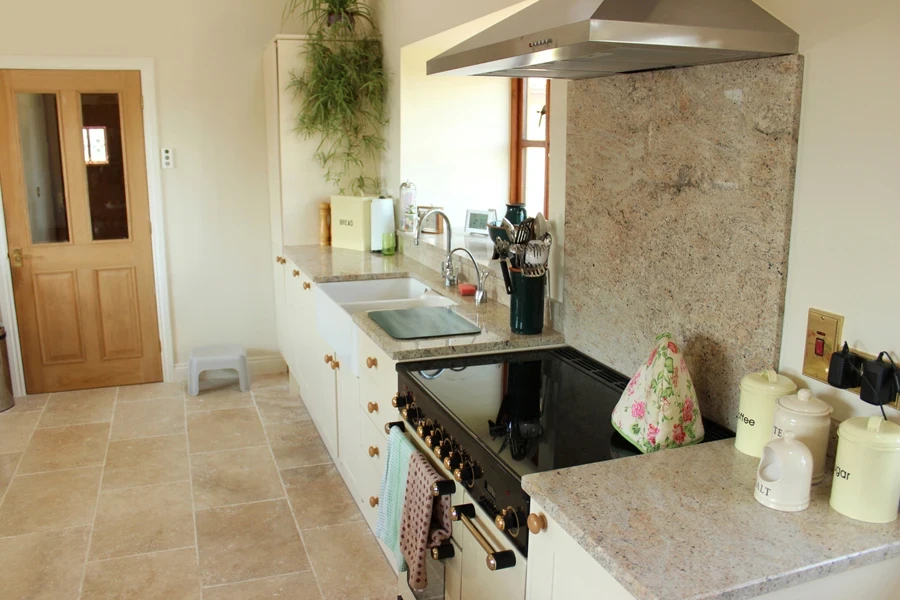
x=391 y=493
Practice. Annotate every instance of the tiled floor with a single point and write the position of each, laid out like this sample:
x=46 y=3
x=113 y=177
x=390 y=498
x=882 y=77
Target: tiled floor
x=142 y=492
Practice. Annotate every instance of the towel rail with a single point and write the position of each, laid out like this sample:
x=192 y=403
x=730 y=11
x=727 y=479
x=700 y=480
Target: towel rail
x=495 y=560
x=444 y=487
x=400 y=424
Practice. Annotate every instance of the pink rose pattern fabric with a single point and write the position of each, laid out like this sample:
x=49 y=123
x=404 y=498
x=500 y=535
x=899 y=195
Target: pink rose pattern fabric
x=659 y=407
x=426 y=520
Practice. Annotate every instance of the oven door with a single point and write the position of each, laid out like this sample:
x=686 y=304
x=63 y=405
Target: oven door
x=466 y=574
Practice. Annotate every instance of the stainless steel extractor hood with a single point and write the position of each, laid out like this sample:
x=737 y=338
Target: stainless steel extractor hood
x=580 y=39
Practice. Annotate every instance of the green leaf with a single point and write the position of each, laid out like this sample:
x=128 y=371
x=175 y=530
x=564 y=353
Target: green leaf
x=670 y=365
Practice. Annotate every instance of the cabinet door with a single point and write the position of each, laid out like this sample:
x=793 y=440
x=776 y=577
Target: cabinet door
x=479 y=582
x=560 y=569
x=348 y=426
x=323 y=392
x=280 y=318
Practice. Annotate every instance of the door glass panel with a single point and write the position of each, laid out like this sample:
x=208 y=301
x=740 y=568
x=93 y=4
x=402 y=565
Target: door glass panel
x=535 y=179
x=104 y=161
x=535 y=109
x=42 y=165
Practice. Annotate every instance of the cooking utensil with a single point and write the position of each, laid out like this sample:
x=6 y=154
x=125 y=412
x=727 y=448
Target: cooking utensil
x=759 y=393
x=810 y=420
x=504 y=268
x=538 y=252
x=540 y=226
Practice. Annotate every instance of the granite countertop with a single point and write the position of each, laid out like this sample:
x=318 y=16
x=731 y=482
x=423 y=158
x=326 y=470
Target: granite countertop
x=324 y=264
x=683 y=524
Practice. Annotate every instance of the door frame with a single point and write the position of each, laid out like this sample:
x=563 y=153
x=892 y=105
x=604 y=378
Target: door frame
x=154 y=192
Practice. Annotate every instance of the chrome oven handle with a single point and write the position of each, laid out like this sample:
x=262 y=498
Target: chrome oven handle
x=496 y=559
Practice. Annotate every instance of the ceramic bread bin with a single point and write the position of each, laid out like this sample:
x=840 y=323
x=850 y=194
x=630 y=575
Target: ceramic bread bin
x=784 y=475
x=759 y=393
x=866 y=484
x=810 y=420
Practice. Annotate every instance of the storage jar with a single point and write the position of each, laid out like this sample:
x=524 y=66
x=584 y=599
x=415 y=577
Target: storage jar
x=810 y=420
x=759 y=392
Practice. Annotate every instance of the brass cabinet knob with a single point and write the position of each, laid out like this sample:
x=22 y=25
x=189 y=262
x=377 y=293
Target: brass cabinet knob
x=373 y=451
x=335 y=365
x=305 y=285
x=372 y=407
x=296 y=273
x=329 y=358
x=373 y=501
x=536 y=523
x=280 y=260
x=371 y=362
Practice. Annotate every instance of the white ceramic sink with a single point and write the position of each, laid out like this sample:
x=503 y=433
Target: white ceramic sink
x=336 y=302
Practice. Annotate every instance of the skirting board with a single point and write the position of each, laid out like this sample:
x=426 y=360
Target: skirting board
x=259 y=365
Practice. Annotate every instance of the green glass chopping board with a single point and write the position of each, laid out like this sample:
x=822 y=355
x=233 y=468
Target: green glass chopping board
x=423 y=322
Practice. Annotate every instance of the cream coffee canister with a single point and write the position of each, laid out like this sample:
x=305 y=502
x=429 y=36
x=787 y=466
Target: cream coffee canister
x=866 y=484
x=810 y=420
x=759 y=392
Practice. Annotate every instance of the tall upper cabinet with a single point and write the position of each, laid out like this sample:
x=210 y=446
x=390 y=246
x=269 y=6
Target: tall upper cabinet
x=296 y=181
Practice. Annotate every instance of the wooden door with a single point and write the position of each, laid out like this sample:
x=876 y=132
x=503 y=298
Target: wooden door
x=72 y=171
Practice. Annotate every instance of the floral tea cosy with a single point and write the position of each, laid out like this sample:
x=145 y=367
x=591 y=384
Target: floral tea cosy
x=659 y=408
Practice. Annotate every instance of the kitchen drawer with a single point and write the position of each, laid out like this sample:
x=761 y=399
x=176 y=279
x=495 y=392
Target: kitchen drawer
x=379 y=411
x=368 y=483
x=370 y=438
x=377 y=371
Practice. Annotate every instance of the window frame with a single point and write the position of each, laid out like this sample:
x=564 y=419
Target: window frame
x=88 y=159
x=518 y=143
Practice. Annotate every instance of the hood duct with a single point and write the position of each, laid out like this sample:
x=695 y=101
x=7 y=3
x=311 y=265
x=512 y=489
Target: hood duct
x=581 y=39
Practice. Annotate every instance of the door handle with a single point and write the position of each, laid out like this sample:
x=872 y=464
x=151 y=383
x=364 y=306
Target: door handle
x=495 y=560
x=17 y=258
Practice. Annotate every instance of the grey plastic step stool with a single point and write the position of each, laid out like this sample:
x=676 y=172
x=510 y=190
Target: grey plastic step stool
x=217 y=357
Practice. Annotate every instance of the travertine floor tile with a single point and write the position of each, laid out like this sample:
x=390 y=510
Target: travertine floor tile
x=280 y=408
x=8 y=464
x=268 y=381
x=28 y=403
x=248 y=542
x=296 y=586
x=333 y=549
x=296 y=445
x=150 y=391
x=145 y=519
x=218 y=398
x=224 y=430
x=46 y=501
x=15 y=429
x=319 y=496
x=65 y=448
x=148 y=418
x=43 y=566
x=74 y=408
x=234 y=477
x=169 y=575
x=146 y=461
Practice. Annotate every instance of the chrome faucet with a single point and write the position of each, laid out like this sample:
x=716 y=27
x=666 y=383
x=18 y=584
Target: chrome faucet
x=446 y=267
x=481 y=276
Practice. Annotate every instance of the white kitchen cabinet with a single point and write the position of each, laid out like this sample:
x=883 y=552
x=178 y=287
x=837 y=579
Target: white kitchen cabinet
x=560 y=569
x=348 y=418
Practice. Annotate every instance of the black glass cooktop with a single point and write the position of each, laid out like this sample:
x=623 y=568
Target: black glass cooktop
x=535 y=411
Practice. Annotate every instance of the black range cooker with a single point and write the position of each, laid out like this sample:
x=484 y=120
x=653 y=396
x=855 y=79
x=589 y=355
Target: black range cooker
x=493 y=419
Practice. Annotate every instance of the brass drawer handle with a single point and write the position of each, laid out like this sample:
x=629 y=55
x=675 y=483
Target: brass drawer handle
x=329 y=358
x=371 y=362
x=335 y=365
x=305 y=285
x=373 y=451
x=373 y=501
x=280 y=260
x=372 y=407
x=296 y=273
x=536 y=523
x=495 y=560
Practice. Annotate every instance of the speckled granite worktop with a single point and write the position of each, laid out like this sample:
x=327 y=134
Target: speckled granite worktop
x=324 y=264
x=683 y=525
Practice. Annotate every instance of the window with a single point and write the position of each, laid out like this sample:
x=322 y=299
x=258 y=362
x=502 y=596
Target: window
x=529 y=171
x=94 y=139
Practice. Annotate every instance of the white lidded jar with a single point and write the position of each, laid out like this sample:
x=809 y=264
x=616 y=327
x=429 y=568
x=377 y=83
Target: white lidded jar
x=759 y=392
x=810 y=420
x=784 y=475
x=866 y=484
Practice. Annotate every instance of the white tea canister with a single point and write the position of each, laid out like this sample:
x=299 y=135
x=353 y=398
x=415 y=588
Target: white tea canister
x=866 y=484
x=759 y=392
x=810 y=420
x=784 y=475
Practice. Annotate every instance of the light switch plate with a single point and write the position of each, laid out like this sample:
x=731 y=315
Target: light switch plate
x=823 y=330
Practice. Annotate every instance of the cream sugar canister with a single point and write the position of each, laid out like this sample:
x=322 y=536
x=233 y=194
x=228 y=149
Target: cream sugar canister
x=759 y=392
x=810 y=420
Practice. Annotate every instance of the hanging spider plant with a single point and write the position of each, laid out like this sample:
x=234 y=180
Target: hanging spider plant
x=343 y=89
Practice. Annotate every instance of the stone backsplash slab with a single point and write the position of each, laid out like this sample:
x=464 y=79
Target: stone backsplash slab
x=678 y=216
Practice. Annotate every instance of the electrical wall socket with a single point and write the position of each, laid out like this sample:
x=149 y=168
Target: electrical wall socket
x=823 y=338
x=167 y=155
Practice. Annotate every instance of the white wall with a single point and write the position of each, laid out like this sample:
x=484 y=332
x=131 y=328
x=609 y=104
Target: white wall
x=208 y=59
x=847 y=198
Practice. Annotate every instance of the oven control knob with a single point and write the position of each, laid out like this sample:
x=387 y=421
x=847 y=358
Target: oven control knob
x=467 y=474
x=401 y=400
x=443 y=449
x=435 y=438
x=453 y=461
x=425 y=430
x=507 y=520
x=412 y=413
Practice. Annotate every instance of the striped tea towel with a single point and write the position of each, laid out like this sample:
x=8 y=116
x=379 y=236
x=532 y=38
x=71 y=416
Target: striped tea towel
x=391 y=493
